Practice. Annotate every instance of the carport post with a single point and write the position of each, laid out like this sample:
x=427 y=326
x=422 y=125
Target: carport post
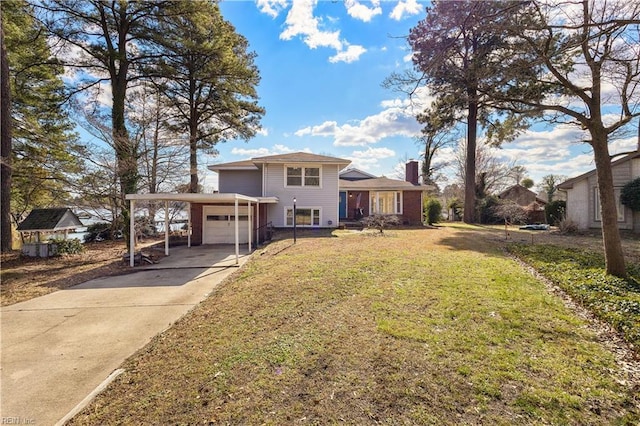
x=132 y=232
x=188 y=224
x=237 y=240
x=257 y=226
x=249 y=223
x=166 y=227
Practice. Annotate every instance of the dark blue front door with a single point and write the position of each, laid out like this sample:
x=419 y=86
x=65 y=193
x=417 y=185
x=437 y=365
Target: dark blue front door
x=343 y=205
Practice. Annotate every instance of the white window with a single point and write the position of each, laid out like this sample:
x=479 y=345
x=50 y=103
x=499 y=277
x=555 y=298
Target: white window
x=302 y=176
x=386 y=202
x=596 y=205
x=304 y=216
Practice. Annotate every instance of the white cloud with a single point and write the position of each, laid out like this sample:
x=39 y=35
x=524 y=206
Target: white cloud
x=370 y=158
x=388 y=123
x=301 y=22
x=250 y=153
x=405 y=8
x=352 y=54
x=271 y=7
x=396 y=119
x=262 y=131
x=374 y=153
x=263 y=152
x=359 y=11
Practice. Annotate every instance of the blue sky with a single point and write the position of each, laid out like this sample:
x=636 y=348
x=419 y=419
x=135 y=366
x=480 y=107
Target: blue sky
x=322 y=64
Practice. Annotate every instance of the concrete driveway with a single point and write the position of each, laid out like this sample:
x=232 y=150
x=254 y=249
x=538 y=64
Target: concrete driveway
x=56 y=349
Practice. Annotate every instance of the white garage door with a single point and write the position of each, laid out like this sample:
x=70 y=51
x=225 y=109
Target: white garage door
x=219 y=225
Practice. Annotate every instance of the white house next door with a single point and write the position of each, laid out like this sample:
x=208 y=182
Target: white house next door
x=219 y=227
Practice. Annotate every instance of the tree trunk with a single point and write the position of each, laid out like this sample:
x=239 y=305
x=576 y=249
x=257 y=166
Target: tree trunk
x=193 y=156
x=5 y=149
x=126 y=152
x=614 y=256
x=469 y=214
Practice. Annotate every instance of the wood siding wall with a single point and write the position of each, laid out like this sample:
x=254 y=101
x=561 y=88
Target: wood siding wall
x=581 y=199
x=325 y=197
x=246 y=182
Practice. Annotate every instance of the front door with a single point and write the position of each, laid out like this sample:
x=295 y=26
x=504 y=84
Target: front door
x=343 y=205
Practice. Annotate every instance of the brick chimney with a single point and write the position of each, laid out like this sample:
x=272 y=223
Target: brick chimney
x=411 y=174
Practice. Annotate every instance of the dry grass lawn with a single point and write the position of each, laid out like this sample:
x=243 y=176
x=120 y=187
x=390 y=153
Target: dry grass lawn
x=425 y=326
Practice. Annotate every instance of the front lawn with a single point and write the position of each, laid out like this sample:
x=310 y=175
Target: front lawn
x=426 y=326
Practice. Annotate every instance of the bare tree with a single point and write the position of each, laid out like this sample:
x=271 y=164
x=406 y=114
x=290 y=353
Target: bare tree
x=492 y=173
x=587 y=56
x=163 y=162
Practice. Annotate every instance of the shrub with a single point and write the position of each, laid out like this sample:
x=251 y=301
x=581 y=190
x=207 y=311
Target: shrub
x=98 y=232
x=381 y=221
x=72 y=246
x=554 y=211
x=566 y=226
x=102 y=231
x=630 y=195
x=433 y=211
x=486 y=213
x=510 y=212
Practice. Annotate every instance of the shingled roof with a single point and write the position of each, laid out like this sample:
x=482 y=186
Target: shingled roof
x=50 y=220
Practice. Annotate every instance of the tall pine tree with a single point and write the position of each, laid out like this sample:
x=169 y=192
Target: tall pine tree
x=208 y=76
x=45 y=152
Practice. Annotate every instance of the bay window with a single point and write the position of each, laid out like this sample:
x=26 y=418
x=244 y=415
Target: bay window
x=386 y=202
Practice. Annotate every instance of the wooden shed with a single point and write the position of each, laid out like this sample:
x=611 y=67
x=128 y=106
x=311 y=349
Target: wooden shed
x=57 y=222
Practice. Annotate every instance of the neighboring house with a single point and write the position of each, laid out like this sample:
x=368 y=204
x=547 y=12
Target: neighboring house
x=583 y=203
x=529 y=200
x=362 y=194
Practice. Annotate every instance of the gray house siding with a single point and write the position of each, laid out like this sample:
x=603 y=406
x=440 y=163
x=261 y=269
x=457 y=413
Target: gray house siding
x=582 y=197
x=324 y=197
x=247 y=182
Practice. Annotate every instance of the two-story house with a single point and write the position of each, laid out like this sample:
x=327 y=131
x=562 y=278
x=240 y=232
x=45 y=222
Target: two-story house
x=276 y=182
x=262 y=192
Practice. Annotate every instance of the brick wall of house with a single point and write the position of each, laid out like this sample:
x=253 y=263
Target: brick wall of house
x=196 y=224
x=352 y=199
x=412 y=207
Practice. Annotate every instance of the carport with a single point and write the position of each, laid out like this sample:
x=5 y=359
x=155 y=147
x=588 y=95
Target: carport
x=234 y=200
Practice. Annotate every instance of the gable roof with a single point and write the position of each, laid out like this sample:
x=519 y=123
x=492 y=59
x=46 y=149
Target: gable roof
x=295 y=157
x=235 y=165
x=300 y=157
x=50 y=220
x=568 y=184
x=516 y=190
x=355 y=174
x=381 y=183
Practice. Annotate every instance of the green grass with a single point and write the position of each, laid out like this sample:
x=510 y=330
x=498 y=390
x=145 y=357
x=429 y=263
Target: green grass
x=582 y=275
x=414 y=327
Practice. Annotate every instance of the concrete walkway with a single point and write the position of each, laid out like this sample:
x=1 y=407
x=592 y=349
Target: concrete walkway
x=56 y=349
